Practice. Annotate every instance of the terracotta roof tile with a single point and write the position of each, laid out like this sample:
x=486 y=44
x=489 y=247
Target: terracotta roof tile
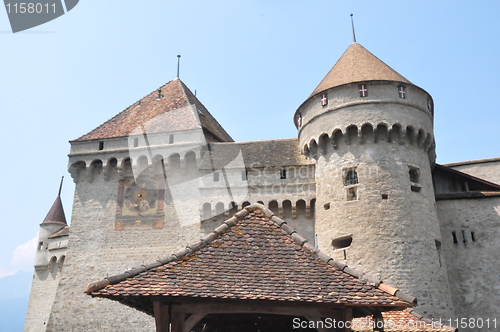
x=254 y=258
x=357 y=64
x=173 y=96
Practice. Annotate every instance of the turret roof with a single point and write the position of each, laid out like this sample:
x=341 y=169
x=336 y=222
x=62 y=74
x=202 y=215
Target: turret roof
x=56 y=214
x=357 y=64
x=172 y=96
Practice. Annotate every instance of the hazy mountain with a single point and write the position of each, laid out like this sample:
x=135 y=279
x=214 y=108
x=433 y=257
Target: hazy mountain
x=14 y=296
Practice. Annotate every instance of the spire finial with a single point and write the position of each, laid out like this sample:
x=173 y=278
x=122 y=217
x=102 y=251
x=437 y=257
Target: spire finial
x=353 y=33
x=178 y=64
x=60 y=187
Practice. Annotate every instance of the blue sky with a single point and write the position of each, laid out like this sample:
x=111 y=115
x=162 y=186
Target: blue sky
x=252 y=64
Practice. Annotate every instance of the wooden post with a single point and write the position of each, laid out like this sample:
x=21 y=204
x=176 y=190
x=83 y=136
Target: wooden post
x=177 y=320
x=348 y=318
x=162 y=316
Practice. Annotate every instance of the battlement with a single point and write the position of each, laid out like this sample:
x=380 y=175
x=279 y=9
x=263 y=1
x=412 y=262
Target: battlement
x=368 y=133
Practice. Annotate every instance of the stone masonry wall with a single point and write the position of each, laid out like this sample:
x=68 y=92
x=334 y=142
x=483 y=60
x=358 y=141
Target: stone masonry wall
x=471 y=229
x=97 y=249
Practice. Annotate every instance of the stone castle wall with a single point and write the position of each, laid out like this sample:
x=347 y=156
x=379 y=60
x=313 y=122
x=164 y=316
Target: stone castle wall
x=470 y=229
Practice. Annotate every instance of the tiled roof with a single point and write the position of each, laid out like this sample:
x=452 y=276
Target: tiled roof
x=278 y=152
x=172 y=96
x=401 y=321
x=357 y=64
x=252 y=256
x=56 y=214
x=61 y=233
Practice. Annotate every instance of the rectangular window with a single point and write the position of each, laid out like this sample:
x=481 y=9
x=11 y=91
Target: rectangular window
x=244 y=175
x=352 y=194
x=216 y=176
x=283 y=174
x=101 y=145
x=136 y=142
x=171 y=139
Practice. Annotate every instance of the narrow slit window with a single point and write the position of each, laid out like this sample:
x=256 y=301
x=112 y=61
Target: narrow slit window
x=454 y=234
x=136 y=142
x=171 y=139
x=413 y=173
x=216 y=176
x=244 y=175
x=283 y=174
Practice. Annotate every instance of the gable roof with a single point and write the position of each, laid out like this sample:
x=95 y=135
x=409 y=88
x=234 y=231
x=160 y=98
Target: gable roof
x=172 y=96
x=270 y=153
x=357 y=64
x=252 y=256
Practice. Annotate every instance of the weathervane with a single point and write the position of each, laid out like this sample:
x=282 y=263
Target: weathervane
x=353 y=33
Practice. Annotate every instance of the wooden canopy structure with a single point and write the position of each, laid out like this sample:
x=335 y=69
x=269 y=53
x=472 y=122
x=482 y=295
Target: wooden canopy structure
x=253 y=269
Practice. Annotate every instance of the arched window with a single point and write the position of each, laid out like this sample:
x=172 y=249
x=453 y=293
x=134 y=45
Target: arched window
x=207 y=211
x=351 y=177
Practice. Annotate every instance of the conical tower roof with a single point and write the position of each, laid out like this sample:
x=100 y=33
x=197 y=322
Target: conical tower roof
x=171 y=96
x=56 y=214
x=357 y=64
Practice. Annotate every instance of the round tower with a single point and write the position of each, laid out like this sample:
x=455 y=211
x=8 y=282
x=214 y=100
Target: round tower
x=370 y=131
x=53 y=222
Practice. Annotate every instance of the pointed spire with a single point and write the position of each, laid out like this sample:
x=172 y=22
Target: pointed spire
x=178 y=64
x=353 y=32
x=56 y=212
x=357 y=64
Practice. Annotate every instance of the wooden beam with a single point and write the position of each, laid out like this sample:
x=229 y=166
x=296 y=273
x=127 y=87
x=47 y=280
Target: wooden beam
x=193 y=320
x=261 y=308
x=162 y=316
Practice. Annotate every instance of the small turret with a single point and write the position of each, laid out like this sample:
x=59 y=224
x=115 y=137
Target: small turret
x=54 y=222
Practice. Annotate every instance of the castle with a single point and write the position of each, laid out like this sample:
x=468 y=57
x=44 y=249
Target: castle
x=360 y=183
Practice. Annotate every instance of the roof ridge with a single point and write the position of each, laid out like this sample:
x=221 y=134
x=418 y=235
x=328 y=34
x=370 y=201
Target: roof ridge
x=471 y=162
x=196 y=101
x=124 y=110
x=225 y=226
